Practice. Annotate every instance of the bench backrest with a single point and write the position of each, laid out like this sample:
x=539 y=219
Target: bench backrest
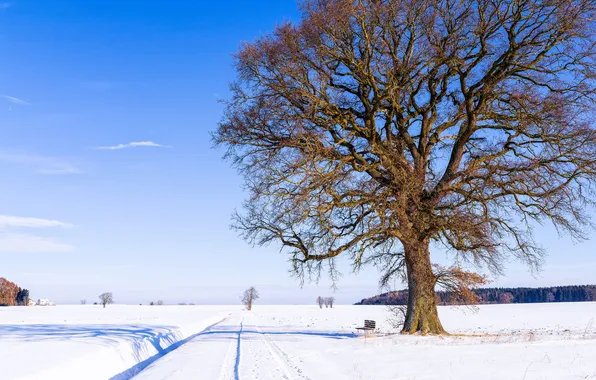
x=369 y=324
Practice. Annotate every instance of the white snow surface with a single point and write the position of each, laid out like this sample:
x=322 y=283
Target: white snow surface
x=525 y=342
x=90 y=342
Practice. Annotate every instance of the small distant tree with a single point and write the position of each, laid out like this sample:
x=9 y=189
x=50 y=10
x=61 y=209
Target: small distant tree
x=22 y=297
x=151 y=303
x=330 y=301
x=8 y=292
x=159 y=302
x=320 y=301
x=106 y=298
x=83 y=302
x=251 y=294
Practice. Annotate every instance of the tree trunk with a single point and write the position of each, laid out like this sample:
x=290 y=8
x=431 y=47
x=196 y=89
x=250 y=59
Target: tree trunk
x=422 y=315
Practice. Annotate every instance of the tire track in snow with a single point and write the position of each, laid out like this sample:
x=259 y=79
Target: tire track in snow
x=228 y=364
x=231 y=362
x=281 y=357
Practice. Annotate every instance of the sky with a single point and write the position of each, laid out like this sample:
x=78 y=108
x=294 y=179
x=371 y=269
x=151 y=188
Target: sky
x=110 y=181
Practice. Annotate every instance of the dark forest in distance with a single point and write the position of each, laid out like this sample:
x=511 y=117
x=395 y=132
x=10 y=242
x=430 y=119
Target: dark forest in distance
x=574 y=293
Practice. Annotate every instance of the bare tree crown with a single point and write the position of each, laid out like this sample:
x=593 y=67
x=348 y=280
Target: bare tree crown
x=320 y=301
x=249 y=296
x=374 y=125
x=106 y=299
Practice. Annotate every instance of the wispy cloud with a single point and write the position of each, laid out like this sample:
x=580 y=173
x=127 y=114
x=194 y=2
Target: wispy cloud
x=17 y=242
x=23 y=243
x=41 y=164
x=8 y=221
x=14 y=100
x=5 y=5
x=134 y=144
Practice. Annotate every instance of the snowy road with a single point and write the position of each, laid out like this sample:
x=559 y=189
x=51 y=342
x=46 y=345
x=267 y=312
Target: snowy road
x=236 y=348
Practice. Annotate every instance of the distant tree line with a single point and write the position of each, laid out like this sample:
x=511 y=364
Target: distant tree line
x=574 y=293
x=12 y=295
x=325 y=301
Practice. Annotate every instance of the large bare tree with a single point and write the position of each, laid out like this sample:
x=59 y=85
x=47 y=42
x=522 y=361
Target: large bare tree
x=373 y=129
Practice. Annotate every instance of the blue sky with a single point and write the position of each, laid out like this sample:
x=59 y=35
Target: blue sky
x=147 y=216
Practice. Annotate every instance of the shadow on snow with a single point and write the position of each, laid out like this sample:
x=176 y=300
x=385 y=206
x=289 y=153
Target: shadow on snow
x=137 y=336
x=235 y=333
x=164 y=339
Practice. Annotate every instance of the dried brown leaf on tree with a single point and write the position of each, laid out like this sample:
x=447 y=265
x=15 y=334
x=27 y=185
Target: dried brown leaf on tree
x=8 y=292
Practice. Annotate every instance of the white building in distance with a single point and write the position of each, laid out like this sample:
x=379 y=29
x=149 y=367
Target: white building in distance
x=44 y=302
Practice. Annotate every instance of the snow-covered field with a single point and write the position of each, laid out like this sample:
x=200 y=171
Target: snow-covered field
x=89 y=342
x=540 y=341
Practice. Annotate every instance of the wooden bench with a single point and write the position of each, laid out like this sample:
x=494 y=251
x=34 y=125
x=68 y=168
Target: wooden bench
x=369 y=325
